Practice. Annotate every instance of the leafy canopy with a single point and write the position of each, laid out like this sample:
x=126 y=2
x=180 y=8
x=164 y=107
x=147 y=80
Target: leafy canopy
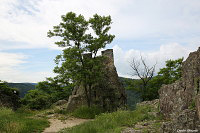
x=81 y=39
x=167 y=75
x=9 y=97
x=5 y=89
x=172 y=71
x=46 y=93
x=79 y=36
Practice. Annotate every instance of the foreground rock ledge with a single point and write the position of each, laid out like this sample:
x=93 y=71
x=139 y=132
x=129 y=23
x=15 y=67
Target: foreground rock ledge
x=180 y=101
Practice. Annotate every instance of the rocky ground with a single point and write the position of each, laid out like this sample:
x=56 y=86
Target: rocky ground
x=148 y=126
x=59 y=118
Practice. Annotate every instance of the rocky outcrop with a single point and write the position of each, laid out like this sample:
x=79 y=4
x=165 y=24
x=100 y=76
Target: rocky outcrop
x=185 y=121
x=109 y=93
x=180 y=101
x=197 y=102
x=60 y=102
x=77 y=98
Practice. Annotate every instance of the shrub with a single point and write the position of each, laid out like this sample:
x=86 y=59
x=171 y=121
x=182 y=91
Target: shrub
x=36 y=99
x=9 y=97
x=55 y=90
x=45 y=94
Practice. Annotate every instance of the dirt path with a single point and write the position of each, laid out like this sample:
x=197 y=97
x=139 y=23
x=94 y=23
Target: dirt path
x=56 y=125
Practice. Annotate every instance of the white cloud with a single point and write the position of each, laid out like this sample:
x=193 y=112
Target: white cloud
x=166 y=52
x=29 y=21
x=11 y=59
x=10 y=69
x=31 y=26
x=17 y=76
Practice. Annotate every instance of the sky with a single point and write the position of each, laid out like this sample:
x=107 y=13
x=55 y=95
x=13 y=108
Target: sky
x=158 y=30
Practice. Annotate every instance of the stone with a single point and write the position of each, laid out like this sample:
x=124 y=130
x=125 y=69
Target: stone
x=197 y=104
x=60 y=102
x=177 y=98
x=108 y=94
x=186 y=120
x=75 y=101
x=128 y=130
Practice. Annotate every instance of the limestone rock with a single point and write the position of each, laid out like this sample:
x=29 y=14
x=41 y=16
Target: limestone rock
x=186 y=120
x=60 y=102
x=176 y=99
x=75 y=101
x=198 y=105
x=128 y=130
x=110 y=93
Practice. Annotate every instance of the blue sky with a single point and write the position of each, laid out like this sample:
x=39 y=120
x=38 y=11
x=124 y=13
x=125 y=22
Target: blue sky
x=156 y=29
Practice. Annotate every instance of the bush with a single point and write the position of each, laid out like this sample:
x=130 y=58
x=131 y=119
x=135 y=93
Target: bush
x=9 y=97
x=55 y=90
x=45 y=94
x=86 y=112
x=8 y=90
x=36 y=99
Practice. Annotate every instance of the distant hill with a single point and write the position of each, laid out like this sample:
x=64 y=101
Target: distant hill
x=133 y=97
x=125 y=81
x=23 y=87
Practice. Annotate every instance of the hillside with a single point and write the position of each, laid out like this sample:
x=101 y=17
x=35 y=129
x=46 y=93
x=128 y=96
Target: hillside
x=22 y=87
x=133 y=97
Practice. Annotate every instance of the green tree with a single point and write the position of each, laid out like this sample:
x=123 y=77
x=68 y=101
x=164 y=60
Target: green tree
x=167 y=75
x=172 y=71
x=9 y=97
x=79 y=36
x=46 y=93
x=36 y=99
x=56 y=91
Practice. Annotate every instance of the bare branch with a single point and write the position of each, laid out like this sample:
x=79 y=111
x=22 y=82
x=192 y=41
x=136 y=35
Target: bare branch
x=142 y=70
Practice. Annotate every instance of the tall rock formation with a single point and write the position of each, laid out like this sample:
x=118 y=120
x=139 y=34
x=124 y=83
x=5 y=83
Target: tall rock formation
x=180 y=101
x=109 y=94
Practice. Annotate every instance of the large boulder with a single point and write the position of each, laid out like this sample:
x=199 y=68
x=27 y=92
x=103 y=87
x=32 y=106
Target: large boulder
x=185 y=121
x=177 y=99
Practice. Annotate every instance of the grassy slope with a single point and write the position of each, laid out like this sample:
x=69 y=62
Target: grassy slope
x=20 y=122
x=116 y=121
